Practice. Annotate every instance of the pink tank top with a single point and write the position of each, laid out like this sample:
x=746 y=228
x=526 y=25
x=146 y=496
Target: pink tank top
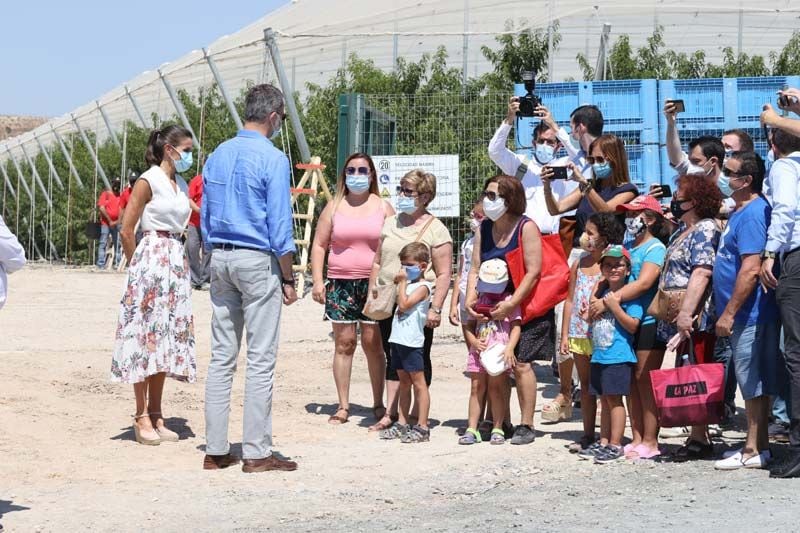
x=353 y=244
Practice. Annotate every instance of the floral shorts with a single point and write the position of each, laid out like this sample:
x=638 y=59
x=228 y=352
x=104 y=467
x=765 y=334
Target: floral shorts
x=345 y=299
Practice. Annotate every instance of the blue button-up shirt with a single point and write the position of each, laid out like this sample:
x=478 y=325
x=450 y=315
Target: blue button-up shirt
x=782 y=191
x=246 y=197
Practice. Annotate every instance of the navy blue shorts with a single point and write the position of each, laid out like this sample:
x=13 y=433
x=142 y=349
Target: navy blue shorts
x=407 y=358
x=610 y=380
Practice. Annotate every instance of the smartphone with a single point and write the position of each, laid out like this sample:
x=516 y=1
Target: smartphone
x=666 y=191
x=484 y=309
x=679 y=107
x=559 y=173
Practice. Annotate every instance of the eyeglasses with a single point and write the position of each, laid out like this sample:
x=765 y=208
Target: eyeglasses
x=596 y=159
x=731 y=173
x=490 y=195
x=405 y=191
x=549 y=142
x=357 y=170
x=615 y=266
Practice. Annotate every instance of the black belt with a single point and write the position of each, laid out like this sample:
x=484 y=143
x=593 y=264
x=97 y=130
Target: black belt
x=229 y=247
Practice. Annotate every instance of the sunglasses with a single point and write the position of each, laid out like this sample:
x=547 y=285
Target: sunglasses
x=405 y=191
x=596 y=159
x=490 y=195
x=358 y=170
x=729 y=172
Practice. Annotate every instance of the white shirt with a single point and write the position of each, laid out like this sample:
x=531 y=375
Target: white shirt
x=168 y=209
x=509 y=162
x=407 y=328
x=12 y=258
x=782 y=191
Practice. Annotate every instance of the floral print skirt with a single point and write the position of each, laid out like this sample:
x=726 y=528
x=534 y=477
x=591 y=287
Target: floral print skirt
x=155 y=332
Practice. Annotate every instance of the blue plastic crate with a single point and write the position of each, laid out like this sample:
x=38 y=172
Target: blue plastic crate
x=753 y=93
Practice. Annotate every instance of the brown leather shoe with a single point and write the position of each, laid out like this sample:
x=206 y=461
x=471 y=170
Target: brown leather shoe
x=268 y=463
x=216 y=462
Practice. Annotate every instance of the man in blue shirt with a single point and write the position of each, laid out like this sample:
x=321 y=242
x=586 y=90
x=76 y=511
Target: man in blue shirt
x=747 y=315
x=246 y=217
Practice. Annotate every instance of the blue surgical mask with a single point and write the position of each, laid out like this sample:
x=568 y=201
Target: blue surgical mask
x=406 y=204
x=357 y=183
x=601 y=170
x=412 y=272
x=184 y=163
x=724 y=184
x=276 y=131
x=544 y=153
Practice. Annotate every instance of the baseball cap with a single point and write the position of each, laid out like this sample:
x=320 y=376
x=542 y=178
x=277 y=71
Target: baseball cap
x=493 y=276
x=641 y=203
x=616 y=251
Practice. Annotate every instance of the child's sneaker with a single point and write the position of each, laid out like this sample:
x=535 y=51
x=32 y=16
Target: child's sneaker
x=609 y=454
x=590 y=451
x=395 y=431
x=416 y=434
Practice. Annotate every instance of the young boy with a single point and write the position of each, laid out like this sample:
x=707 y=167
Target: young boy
x=613 y=356
x=407 y=339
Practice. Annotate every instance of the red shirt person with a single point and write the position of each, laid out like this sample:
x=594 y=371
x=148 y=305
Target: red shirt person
x=199 y=259
x=108 y=204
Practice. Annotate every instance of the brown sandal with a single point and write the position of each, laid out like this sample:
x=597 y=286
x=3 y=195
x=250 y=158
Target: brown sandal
x=337 y=420
x=385 y=422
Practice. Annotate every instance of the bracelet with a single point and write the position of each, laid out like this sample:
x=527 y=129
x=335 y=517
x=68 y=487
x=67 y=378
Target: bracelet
x=289 y=282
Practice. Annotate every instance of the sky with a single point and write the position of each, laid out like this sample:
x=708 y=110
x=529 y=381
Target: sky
x=56 y=55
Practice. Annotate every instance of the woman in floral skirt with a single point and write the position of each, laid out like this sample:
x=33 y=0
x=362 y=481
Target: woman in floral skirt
x=155 y=334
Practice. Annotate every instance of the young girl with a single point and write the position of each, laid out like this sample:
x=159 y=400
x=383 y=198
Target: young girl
x=458 y=314
x=490 y=335
x=613 y=357
x=407 y=340
x=601 y=230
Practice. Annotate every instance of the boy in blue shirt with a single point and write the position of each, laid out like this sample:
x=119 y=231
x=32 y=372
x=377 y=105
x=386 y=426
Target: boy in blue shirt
x=613 y=357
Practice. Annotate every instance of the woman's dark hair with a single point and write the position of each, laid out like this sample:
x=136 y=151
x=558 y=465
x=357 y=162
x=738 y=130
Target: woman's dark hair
x=608 y=226
x=703 y=192
x=169 y=135
x=512 y=192
x=660 y=229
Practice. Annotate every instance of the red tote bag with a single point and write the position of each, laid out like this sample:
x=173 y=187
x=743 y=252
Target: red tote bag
x=553 y=284
x=690 y=395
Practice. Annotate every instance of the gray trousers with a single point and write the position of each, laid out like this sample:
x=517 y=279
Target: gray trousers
x=245 y=293
x=199 y=260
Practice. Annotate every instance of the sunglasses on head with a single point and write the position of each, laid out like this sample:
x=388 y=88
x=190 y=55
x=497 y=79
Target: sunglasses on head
x=357 y=170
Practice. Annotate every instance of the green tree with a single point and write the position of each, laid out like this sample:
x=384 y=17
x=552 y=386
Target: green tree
x=526 y=50
x=787 y=61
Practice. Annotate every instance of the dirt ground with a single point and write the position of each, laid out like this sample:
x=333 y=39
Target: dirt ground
x=68 y=461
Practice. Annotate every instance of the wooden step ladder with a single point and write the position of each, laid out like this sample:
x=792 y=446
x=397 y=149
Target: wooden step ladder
x=312 y=183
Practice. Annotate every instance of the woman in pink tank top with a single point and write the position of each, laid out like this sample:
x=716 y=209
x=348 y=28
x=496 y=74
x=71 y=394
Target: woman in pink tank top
x=349 y=231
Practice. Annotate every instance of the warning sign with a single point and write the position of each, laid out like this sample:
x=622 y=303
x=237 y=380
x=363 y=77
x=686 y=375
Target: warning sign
x=391 y=168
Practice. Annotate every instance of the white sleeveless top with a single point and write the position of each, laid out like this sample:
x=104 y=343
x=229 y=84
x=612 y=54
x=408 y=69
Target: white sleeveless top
x=167 y=210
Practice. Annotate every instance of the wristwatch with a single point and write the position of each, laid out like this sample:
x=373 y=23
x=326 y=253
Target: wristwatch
x=437 y=310
x=768 y=255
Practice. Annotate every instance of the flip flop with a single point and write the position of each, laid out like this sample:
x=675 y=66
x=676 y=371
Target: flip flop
x=643 y=452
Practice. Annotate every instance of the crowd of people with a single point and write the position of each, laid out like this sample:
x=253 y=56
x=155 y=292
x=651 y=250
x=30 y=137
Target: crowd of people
x=713 y=277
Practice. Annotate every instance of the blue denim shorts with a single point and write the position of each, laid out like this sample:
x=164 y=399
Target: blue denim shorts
x=407 y=358
x=756 y=359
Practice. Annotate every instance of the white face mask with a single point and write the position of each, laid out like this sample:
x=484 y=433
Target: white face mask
x=494 y=209
x=634 y=225
x=698 y=169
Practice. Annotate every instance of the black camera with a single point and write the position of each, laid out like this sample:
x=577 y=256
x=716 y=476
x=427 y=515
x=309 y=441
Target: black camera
x=529 y=102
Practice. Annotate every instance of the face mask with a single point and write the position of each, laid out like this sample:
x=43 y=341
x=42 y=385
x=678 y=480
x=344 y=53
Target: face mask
x=586 y=243
x=544 y=153
x=724 y=184
x=676 y=209
x=357 y=183
x=494 y=209
x=184 y=163
x=474 y=224
x=412 y=272
x=601 y=170
x=406 y=204
x=276 y=131
x=698 y=169
x=634 y=226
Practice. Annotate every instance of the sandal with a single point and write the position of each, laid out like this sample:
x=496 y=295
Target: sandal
x=470 y=436
x=141 y=439
x=693 y=450
x=395 y=431
x=416 y=435
x=378 y=411
x=555 y=411
x=337 y=420
x=498 y=436
x=164 y=433
x=383 y=424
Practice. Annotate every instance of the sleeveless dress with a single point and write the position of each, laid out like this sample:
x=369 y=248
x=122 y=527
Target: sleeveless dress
x=155 y=330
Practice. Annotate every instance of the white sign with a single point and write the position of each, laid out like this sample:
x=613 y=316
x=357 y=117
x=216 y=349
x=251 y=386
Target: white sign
x=391 y=168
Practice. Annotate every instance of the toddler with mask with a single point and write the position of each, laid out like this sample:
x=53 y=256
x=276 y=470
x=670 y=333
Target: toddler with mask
x=407 y=340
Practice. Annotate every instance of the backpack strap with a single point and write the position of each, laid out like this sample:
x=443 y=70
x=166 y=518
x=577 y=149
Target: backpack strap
x=522 y=169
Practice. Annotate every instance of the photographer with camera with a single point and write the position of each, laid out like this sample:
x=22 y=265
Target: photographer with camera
x=788 y=100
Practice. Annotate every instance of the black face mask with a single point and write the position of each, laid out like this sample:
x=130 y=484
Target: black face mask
x=676 y=209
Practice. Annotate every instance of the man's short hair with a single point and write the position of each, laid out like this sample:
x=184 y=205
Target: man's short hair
x=710 y=147
x=751 y=165
x=745 y=141
x=261 y=101
x=785 y=142
x=589 y=116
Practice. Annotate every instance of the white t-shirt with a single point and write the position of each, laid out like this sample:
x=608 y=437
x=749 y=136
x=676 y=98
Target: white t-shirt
x=168 y=209
x=407 y=327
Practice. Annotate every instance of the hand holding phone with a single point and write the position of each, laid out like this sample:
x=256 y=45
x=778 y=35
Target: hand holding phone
x=559 y=172
x=673 y=107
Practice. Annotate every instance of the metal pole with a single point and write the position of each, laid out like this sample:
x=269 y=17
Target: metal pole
x=465 y=48
x=550 y=41
x=35 y=246
x=600 y=70
x=288 y=96
x=36 y=176
x=221 y=84
x=395 y=47
x=20 y=174
x=136 y=108
x=179 y=107
x=741 y=32
x=108 y=124
x=89 y=147
x=49 y=162
x=67 y=157
x=8 y=181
